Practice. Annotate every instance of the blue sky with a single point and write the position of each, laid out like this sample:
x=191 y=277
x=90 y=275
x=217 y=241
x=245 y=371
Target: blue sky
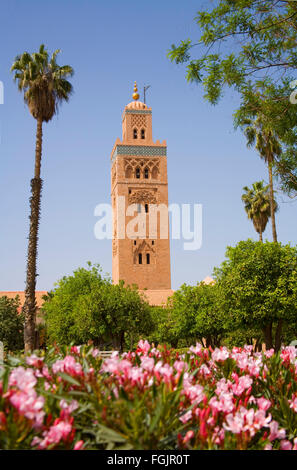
x=111 y=44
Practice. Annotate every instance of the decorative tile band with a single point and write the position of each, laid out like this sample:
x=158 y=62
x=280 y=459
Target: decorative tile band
x=137 y=111
x=139 y=150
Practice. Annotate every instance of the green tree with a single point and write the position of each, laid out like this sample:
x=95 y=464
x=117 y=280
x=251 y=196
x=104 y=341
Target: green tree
x=45 y=86
x=257 y=205
x=87 y=306
x=11 y=324
x=258 y=287
x=250 y=46
x=240 y=42
x=197 y=314
x=163 y=326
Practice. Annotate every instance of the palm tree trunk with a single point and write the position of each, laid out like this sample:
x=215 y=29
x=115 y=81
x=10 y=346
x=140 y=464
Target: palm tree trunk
x=260 y=236
x=268 y=335
x=272 y=209
x=29 y=308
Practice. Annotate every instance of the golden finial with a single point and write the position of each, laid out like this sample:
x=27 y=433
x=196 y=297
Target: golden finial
x=135 y=95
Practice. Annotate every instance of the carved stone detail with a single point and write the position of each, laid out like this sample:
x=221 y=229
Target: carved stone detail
x=142 y=196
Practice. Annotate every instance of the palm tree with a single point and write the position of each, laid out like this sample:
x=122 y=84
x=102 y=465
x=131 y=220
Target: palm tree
x=260 y=134
x=45 y=86
x=257 y=205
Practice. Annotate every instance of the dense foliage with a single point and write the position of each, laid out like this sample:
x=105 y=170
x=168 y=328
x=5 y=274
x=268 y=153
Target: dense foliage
x=240 y=41
x=258 y=287
x=150 y=399
x=11 y=324
x=250 y=46
x=87 y=306
x=197 y=315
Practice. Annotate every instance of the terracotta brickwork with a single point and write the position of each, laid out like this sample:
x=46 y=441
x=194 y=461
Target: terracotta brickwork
x=139 y=176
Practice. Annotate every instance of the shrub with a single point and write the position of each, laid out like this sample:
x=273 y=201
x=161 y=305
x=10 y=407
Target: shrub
x=150 y=399
x=11 y=324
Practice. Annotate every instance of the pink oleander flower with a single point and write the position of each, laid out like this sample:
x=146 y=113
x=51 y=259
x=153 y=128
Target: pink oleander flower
x=269 y=353
x=186 y=417
x=196 y=349
x=247 y=421
x=23 y=379
x=288 y=354
x=35 y=361
x=293 y=403
x=195 y=393
x=79 y=445
x=111 y=365
x=69 y=366
x=244 y=382
x=275 y=432
x=220 y=354
x=69 y=407
x=163 y=370
x=285 y=445
x=218 y=435
x=263 y=403
x=75 y=350
x=234 y=423
x=224 y=403
x=188 y=436
x=22 y=395
x=180 y=366
x=147 y=363
x=205 y=371
x=58 y=432
x=143 y=347
x=223 y=386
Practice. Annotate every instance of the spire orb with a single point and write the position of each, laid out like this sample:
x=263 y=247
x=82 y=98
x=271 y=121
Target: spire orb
x=135 y=95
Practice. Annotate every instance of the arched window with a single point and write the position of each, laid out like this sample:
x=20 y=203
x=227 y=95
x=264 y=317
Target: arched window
x=140 y=258
x=146 y=208
x=148 y=258
x=146 y=173
x=137 y=173
x=142 y=133
x=135 y=133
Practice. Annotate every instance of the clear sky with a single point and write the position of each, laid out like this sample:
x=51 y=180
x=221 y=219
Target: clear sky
x=111 y=44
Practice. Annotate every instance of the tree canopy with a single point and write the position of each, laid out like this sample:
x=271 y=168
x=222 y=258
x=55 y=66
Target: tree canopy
x=257 y=205
x=87 y=306
x=11 y=324
x=240 y=42
x=196 y=314
x=258 y=287
x=250 y=46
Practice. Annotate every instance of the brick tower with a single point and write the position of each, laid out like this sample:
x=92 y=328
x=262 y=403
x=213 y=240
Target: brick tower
x=140 y=255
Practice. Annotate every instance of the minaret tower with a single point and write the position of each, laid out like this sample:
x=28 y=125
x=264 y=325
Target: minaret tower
x=139 y=182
